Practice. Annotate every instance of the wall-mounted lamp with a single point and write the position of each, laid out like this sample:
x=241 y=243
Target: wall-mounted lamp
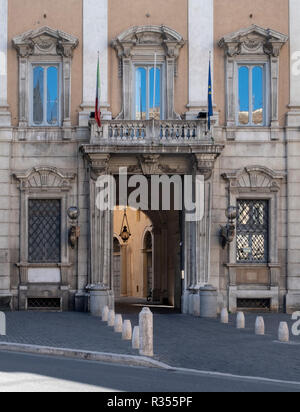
x=227 y=233
x=74 y=232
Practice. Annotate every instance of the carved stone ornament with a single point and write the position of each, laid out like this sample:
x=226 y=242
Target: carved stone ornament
x=150 y=164
x=254 y=178
x=145 y=36
x=45 y=41
x=44 y=178
x=253 y=40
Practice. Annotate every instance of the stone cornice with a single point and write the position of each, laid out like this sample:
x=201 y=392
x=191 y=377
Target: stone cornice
x=253 y=40
x=45 y=41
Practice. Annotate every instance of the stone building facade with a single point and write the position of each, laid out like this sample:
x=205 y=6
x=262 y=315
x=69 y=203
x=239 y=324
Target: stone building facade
x=154 y=59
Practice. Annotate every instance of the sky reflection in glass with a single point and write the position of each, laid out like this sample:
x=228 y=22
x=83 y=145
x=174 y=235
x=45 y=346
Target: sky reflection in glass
x=38 y=95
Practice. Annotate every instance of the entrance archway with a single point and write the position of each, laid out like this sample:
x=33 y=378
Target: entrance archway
x=152 y=254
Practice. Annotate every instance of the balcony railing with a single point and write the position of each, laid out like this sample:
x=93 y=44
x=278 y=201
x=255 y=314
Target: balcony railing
x=150 y=132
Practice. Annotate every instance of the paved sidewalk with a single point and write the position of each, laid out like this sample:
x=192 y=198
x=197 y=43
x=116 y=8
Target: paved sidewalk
x=180 y=340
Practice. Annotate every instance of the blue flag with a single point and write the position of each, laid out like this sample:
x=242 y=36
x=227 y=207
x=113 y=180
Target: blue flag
x=210 y=100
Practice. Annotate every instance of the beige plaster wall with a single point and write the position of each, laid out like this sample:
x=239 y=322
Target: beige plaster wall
x=124 y=14
x=232 y=15
x=24 y=15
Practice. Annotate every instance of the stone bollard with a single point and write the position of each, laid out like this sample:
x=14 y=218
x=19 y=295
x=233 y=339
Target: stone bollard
x=118 y=324
x=105 y=312
x=127 y=330
x=260 y=326
x=224 y=316
x=111 y=318
x=146 y=332
x=283 y=332
x=136 y=338
x=196 y=305
x=240 y=321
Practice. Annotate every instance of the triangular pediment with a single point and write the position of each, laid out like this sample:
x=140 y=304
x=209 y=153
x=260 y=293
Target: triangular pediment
x=254 y=40
x=45 y=41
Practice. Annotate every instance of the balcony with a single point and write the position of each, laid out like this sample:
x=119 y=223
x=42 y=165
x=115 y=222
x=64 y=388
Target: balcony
x=150 y=132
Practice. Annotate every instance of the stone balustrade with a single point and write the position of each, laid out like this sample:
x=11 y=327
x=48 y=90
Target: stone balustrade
x=149 y=132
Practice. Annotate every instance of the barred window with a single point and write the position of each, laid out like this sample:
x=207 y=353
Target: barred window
x=44 y=231
x=253 y=231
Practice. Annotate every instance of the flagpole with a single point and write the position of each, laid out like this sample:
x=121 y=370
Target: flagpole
x=154 y=86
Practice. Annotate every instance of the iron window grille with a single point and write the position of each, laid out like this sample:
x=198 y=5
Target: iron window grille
x=253 y=231
x=44 y=231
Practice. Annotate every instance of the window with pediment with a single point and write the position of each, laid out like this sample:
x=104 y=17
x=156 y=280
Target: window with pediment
x=148 y=57
x=252 y=76
x=45 y=58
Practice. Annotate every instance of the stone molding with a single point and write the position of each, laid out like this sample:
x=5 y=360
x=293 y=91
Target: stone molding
x=253 y=40
x=45 y=42
x=139 y=44
x=258 y=45
x=34 y=47
x=44 y=178
x=254 y=178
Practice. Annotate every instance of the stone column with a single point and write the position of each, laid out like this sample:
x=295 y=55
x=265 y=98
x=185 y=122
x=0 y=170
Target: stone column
x=293 y=162
x=95 y=38
x=201 y=40
x=5 y=117
x=101 y=248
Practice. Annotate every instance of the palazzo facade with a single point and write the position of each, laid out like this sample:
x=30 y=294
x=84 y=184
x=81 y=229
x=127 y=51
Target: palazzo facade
x=57 y=249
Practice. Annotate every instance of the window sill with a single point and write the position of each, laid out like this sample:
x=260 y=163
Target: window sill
x=252 y=265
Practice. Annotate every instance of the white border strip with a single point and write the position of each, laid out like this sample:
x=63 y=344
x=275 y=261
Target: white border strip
x=3 y=52
x=95 y=38
x=201 y=42
x=295 y=52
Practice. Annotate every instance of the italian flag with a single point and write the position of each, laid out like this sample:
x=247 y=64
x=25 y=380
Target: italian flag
x=98 y=94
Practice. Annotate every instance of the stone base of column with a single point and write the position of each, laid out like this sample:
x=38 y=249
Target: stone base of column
x=292 y=302
x=185 y=299
x=84 y=116
x=293 y=117
x=208 y=302
x=99 y=298
x=5 y=117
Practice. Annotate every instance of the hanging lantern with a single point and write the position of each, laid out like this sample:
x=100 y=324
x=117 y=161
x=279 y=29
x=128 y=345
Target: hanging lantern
x=125 y=230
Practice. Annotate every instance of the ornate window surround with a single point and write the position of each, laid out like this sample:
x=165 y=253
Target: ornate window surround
x=137 y=46
x=44 y=183
x=256 y=182
x=44 y=46
x=253 y=45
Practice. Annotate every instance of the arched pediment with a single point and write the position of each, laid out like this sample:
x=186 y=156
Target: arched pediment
x=45 y=41
x=254 y=178
x=145 y=36
x=254 y=40
x=45 y=178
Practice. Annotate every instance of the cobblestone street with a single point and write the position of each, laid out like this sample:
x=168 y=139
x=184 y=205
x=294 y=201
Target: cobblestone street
x=180 y=340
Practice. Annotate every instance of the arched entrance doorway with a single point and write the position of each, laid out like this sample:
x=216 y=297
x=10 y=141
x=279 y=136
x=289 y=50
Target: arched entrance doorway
x=148 y=265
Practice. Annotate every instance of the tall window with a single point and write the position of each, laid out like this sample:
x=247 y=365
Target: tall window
x=148 y=104
x=44 y=231
x=253 y=231
x=45 y=95
x=252 y=104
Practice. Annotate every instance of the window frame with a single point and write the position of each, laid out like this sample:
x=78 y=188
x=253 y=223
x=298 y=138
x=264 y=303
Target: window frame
x=45 y=65
x=266 y=92
x=148 y=66
x=252 y=261
x=46 y=262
